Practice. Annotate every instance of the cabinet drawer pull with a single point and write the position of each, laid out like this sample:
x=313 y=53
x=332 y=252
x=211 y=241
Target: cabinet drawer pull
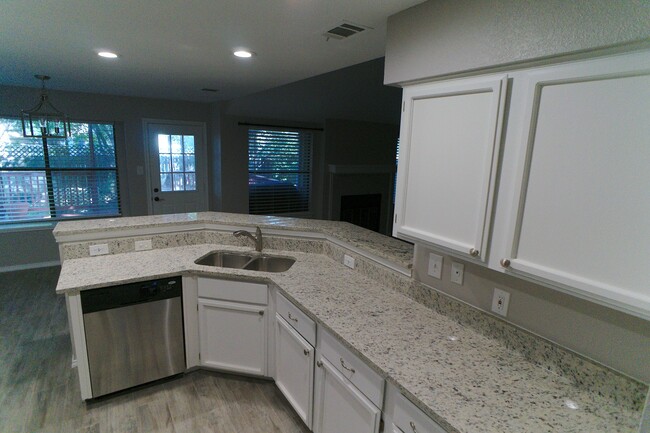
x=412 y=424
x=319 y=364
x=295 y=319
x=505 y=263
x=473 y=252
x=306 y=351
x=350 y=369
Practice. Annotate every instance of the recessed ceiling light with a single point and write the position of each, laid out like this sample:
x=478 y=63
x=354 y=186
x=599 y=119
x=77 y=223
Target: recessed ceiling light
x=243 y=53
x=107 y=54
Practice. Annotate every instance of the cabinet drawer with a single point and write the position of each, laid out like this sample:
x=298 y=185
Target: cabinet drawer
x=297 y=319
x=369 y=382
x=228 y=290
x=409 y=418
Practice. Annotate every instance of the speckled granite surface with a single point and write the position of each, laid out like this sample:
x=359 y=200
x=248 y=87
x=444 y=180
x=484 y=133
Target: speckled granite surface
x=393 y=250
x=472 y=384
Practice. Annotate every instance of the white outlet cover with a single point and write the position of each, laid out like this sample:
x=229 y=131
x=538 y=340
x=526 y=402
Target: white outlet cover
x=348 y=261
x=500 y=302
x=143 y=245
x=98 y=250
x=435 y=266
x=457 y=271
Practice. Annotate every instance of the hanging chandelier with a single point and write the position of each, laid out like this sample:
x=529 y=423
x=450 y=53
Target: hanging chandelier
x=44 y=120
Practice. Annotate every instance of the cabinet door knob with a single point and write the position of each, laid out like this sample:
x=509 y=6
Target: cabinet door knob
x=473 y=252
x=319 y=364
x=505 y=263
x=291 y=317
x=306 y=352
x=261 y=312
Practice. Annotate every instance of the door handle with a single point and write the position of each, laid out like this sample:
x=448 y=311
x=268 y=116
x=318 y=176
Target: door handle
x=158 y=199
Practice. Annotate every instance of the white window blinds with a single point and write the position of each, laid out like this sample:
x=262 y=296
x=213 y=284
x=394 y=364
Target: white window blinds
x=279 y=171
x=57 y=178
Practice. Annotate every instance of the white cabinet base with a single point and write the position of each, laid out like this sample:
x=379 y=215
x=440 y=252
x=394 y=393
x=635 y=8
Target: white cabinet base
x=233 y=336
x=294 y=368
x=339 y=407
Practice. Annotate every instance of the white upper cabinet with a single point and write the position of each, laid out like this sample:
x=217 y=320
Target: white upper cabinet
x=576 y=183
x=449 y=149
x=572 y=210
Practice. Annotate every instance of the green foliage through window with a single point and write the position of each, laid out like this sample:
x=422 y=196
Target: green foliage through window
x=57 y=178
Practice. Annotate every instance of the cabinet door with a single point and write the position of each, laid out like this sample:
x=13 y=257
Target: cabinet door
x=294 y=364
x=580 y=216
x=450 y=140
x=339 y=407
x=233 y=336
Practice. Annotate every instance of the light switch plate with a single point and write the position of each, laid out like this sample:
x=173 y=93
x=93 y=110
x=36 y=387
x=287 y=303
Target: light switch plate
x=348 y=261
x=457 y=271
x=143 y=245
x=435 y=266
x=98 y=250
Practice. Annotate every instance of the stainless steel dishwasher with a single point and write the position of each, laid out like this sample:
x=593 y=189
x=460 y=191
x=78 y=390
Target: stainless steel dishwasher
x=134 y=333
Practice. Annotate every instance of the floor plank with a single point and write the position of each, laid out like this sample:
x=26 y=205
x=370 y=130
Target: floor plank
x=39 y=392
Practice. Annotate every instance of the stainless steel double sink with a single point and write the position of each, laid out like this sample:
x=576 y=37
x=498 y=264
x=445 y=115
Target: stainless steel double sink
x=247 y=261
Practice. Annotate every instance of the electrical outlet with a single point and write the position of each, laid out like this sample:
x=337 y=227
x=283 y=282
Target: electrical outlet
x=143 y=245
x=435 y=266
x=500 y=301
x=457 y=271
x=348 y=261
x=98 y=250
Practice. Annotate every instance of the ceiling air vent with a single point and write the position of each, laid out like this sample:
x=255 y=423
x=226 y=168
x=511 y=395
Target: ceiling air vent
x=345 y=30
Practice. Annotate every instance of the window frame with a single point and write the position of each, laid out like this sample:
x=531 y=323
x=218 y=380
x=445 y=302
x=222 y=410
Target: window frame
x=310 y=205
x=39 y=223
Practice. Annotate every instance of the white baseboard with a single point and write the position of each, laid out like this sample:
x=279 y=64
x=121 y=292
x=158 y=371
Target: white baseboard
x=29 y=266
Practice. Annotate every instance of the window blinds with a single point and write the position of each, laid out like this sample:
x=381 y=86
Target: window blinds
x=61 y=178
x=279 y=171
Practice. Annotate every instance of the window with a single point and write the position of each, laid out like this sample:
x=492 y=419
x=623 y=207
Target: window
x=177 y=162
x=279 y=171
x=57 y=178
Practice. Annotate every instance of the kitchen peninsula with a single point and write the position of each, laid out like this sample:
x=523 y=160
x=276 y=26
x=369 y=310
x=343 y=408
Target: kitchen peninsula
x=438 y=359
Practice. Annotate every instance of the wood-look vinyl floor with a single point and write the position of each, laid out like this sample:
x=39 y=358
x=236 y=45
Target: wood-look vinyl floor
x=39 y=392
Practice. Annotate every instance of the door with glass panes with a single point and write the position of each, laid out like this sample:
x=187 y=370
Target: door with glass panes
x=177 y=169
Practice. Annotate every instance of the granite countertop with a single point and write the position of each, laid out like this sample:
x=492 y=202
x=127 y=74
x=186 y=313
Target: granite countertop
x=469 y=383
x=393 y=250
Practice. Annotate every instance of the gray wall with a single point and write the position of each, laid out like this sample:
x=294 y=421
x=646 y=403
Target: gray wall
x=128 y=113
x=441 y=37
x=359 y=144
x=355 y=94
x=610 y=337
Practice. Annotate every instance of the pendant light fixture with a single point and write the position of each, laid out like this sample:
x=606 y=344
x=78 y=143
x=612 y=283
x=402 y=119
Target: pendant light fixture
x=44 y=120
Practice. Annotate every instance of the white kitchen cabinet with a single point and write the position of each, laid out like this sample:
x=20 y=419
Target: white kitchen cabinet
x=233 y=334
x=348 y=394
x=449 y=149
x=575 y=197
x=339 y=407
x=402 y=416
x=294 y=368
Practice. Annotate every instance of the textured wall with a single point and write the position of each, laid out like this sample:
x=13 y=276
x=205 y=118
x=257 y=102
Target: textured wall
x=441 y=37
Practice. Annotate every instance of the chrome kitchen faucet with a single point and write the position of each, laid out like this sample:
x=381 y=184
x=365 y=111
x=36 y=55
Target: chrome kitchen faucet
x=257 y=237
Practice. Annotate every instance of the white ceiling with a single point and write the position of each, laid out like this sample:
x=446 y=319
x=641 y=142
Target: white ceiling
x=173 y=48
